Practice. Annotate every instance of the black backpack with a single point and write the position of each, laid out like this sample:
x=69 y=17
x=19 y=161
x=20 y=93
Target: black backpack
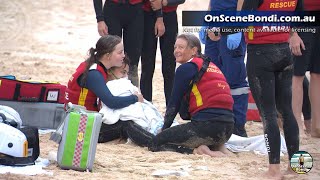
x=184 y=106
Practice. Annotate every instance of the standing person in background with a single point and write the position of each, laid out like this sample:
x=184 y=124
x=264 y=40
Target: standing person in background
x=306 y=48
x=165 y=29
x=269 y=69
x=306 y=110
x=119 y=17
x=228 y=53
x=306 y=106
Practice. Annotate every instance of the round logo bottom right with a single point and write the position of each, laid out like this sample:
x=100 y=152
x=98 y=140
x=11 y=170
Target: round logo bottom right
x=301 y=162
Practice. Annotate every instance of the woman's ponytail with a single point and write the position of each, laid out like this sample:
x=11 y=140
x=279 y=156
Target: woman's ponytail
x=90 y=61
x=105 y=45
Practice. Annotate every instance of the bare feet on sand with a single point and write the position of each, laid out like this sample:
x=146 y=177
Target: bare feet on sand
x=315 y=133
x=203 y=149
x=315 y=128
x=273 y=172
x=302 y=134
x=307 y=124
x=302 y=131
x=289 y=171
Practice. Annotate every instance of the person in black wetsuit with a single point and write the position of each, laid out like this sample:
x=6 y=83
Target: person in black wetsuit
x=269 y=70
x=305 y=47
x=123 y=18
x=165 y=29
x=210 y=105
x=306 y=105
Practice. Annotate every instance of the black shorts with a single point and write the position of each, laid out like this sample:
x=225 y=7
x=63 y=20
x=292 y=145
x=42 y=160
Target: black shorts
x=310 y=59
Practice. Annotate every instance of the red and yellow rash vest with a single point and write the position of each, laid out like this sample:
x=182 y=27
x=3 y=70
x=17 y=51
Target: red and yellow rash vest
x=82 y=96
x=271 y=34
x=212 y=91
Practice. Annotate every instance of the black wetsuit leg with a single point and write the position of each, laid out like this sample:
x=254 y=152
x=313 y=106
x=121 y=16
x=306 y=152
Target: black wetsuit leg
x=269 y=69
x=306 y=106
x=185 y=137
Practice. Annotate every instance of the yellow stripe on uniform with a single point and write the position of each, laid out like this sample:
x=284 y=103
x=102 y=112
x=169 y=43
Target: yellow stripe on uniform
x=197 y=95
x=25 y=149
x=250 y=32
x=83 y=96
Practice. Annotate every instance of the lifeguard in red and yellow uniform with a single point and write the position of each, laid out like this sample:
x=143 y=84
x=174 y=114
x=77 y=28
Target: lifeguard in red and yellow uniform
x=269 y=70
x=210 y=105
x=88 y=83
x=81 y=95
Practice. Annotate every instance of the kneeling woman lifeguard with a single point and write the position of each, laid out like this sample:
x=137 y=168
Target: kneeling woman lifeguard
x=210 y=105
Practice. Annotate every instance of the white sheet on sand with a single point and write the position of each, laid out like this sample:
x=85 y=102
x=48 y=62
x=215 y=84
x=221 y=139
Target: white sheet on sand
x=255 y=144
x=28 y=170
x=144 y=114
x=147 y=116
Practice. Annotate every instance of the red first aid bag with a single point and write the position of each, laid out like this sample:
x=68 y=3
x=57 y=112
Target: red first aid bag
x=12 y=89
